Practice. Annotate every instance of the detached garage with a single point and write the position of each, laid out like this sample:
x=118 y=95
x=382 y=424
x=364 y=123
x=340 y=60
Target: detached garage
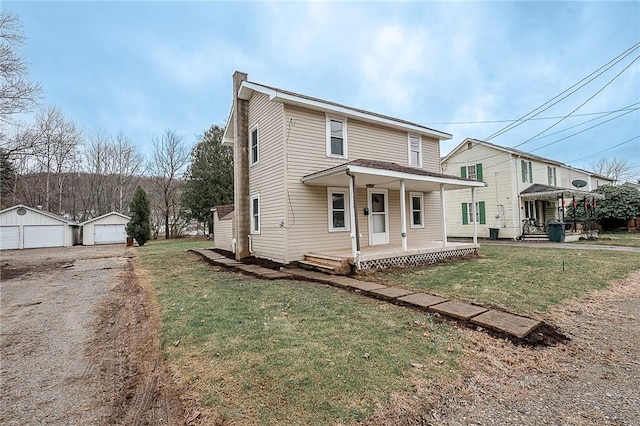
x=26 y=227
x=105 y=229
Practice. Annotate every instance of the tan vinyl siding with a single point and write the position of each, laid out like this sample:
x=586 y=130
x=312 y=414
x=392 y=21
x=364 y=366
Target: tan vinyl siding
x=266 y=177
x=223 y=233
x=307 y=217
x=500 y=196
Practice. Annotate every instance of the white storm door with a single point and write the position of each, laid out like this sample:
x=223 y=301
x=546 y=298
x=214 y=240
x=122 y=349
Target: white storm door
x=378 y=216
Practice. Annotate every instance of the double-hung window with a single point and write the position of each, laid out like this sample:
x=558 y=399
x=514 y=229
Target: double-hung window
x=417 y=209
x=336 y=137
x=415 y=151
x=472 y=172
x=468 y=216
x=527 y=171
x=255 y=213
x=551 y=175
x=338 y=207
x=254 y=145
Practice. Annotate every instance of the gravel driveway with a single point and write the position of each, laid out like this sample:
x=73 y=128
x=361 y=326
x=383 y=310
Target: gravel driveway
x=78 y=342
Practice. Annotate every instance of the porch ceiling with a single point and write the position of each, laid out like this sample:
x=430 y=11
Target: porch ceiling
x=380 y=174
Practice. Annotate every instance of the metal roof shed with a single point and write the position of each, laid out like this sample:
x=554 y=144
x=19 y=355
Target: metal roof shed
x=25 y=227
x=106 y=229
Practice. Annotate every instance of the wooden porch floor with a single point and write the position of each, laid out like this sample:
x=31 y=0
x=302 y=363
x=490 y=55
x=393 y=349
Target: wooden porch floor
x=388 y=251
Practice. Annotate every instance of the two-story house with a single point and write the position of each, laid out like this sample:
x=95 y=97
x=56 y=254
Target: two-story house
x=324 y=182
x=524 y=191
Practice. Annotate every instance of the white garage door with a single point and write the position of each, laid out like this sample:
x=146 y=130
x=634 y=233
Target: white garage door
x=36 y=236
x=108 y=234
x=9 y=237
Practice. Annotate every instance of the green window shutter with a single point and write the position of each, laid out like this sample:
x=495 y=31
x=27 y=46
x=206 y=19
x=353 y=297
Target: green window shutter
x=465 y=214
x=523 y=167
x=463 y=171
x=479 y=172
x=483 y=216
x=530 y=173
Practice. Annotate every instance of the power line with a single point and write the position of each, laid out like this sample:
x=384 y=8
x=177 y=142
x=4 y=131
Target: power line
x=605 y=150
x=563 y=95
x=532 y=119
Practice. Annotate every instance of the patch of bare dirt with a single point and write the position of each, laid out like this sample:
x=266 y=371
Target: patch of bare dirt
x=591 y=380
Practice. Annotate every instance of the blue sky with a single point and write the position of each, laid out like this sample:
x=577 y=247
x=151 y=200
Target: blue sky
x=142 y=67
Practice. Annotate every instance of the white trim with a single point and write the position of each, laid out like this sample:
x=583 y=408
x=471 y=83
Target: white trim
x=403 y=216
x=409 y=136
x=386 y=210
x=253 y=128
x=105 y=215
x=254 y=231
x=345 y=150
x=420 y=195
x=247 y=87
x=347 y=202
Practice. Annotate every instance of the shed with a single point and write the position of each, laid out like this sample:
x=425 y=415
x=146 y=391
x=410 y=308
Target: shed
x=24 y=227
x=106 y=229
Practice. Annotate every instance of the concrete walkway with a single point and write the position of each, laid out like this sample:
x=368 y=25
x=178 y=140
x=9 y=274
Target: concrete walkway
x=502 y=322
x=570 y=246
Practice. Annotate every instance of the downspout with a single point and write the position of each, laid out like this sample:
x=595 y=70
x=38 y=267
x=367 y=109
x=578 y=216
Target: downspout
x=354 y=216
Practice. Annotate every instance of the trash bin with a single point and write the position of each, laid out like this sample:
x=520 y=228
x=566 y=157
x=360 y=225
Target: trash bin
x=556 y=231
x=493 y=233
x=129 y=241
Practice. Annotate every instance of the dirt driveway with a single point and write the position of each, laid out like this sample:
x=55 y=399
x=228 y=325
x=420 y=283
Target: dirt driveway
x=78 y=341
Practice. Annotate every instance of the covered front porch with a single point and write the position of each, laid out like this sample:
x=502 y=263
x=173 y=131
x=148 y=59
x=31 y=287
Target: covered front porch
x=401 y=192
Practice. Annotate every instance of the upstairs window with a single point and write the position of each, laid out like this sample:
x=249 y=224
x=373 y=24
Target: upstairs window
x=336 y=137
x=417 y=210
x=472 y=172
x=254 y=145
x=551 y=174
x=415 y=151
x=527 y=171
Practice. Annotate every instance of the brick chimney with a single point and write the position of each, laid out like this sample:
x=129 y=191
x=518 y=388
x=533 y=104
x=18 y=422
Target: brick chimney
x=241 y=169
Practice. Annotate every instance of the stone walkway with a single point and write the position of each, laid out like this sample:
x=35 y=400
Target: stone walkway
x=500 y=321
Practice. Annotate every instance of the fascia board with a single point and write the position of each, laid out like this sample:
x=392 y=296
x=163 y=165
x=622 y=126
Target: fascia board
x=408 y=176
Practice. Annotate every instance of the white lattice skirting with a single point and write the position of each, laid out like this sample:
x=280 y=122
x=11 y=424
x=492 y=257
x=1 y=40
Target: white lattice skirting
x=417 y=259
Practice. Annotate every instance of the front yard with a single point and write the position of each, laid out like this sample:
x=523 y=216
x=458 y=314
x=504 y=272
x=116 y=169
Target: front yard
x=625 y=239
x=247 y=351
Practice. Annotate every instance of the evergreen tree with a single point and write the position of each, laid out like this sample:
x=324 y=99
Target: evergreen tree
x=7 y=175
x=210 y=176
x=138 y=227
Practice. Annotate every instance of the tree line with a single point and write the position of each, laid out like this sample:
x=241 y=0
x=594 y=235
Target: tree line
x=52 y=163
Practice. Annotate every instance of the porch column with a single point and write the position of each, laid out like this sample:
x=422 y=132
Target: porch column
x=352 y=216
x=444 y=215
x=473 y=214
x=403 y=217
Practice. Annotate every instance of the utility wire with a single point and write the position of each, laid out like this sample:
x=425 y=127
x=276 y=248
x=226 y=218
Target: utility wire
x=563 y=95
x=605 y=150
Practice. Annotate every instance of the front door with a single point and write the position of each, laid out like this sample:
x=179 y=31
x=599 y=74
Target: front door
x=378 y=216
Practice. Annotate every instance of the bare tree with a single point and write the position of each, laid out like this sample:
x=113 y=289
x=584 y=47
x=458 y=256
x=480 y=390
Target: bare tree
x=615 y=168
x=169 y=161
x=17 y=93
x=129 y=167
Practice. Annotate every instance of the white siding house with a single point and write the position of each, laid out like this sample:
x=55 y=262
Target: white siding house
x=522 y=188
x=106 y=229
x=25 y=227
x=223 y=227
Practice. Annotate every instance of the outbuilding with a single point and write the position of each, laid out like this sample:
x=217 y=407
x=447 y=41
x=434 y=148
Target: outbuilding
x=106 y=229
x=24 y=227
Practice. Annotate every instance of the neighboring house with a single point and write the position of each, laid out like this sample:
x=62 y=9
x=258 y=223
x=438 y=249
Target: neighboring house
x=329 y=183
x=524 y=191
x=24 y=227
x=223 y=227
x=106 y=229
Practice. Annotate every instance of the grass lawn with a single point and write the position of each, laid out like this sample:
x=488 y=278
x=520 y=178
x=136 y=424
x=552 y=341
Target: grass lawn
x=286 y=352
x=519 y=279
x=627 y=239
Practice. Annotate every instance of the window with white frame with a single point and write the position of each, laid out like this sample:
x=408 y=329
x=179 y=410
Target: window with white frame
x=551 y=173
x=254 y=144
x=469 y=209
x=336 y=137
x=338 y=208
x=527 y=171
x=417 y=209
x=472 y=172
x=255 y=213
x=415 y=151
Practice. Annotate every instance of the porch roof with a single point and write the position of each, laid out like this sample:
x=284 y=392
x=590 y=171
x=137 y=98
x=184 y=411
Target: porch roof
x=545 y=192
x=383 y=174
